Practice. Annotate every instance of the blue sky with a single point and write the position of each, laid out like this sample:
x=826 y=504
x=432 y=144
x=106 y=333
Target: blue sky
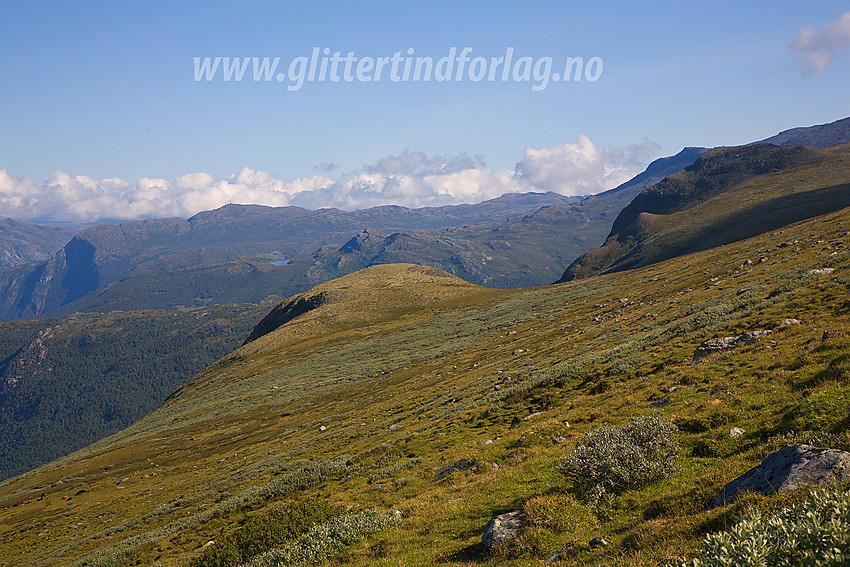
x=105 y=91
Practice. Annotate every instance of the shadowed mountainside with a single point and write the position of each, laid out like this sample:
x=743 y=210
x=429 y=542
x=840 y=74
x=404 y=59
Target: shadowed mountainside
x=726 y=195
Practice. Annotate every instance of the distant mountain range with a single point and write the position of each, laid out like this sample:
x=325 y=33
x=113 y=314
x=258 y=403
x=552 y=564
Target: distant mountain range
x=226 y=255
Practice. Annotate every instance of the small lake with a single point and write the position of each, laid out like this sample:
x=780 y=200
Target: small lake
x=280 y=263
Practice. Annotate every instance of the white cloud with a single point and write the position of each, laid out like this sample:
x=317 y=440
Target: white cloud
x=815 y=49
x=579 y=168
x=410 y=179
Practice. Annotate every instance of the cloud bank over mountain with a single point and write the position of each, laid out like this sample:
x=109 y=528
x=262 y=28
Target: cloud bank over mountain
x=411 y=179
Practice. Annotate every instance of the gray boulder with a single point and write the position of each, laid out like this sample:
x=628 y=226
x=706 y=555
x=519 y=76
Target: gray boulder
x=502 y=528
x=445 y=472
x=787 y=469
x=724 y=343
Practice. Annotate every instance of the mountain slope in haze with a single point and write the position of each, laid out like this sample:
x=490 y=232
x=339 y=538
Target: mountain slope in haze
x=406 y=389
x=65 y=383
x=727 y=195
x=22 y=242
x=819 y=136
x=106 y=253
x=529 y=250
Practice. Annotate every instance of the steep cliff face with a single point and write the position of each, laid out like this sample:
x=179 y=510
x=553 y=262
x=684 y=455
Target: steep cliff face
x=93 y=258
x=22 y=242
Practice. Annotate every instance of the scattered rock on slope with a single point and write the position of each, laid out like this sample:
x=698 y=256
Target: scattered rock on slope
x=723 y=343
x=502 y=528
x=787 y=469
x=446 y=471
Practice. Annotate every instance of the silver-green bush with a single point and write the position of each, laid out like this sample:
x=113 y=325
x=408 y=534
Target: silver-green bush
x=813 y=533
x=610 y=460
x=327 y=540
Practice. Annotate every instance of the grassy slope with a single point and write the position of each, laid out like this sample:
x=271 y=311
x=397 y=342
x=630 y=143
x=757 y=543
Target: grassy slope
x=589 y=353
x=708 y=205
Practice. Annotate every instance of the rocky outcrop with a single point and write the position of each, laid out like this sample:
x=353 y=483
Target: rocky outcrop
x=788 y=469
x=446 y=471
x=503 y=528
x=724 y=343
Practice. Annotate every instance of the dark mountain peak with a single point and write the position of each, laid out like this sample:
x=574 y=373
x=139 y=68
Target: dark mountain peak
x=658 y=170
x=818 y=136
x=365 y=238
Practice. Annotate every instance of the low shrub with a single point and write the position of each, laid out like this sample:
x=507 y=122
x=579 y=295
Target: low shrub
x=265 y=531
x=610 y=460
x=327 y=540
x=815 y=532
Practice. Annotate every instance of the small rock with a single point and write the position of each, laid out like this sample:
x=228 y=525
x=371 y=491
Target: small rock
x=557 y=556
x=789 y=322
x=485 y=442
x=736 y=432
x=322 y=428
x=503 y=528
x=462 y=465
x=535 y=414
x=224 y=496
x=820 y=272
x=661 y=403
x=518 y=352
x=395 y=427
x=597 y=542
x=559 y=440
x=123 y=480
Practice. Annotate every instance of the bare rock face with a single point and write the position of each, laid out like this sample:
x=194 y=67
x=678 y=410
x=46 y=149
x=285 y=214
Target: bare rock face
x=502 y=528
x=787 y=469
